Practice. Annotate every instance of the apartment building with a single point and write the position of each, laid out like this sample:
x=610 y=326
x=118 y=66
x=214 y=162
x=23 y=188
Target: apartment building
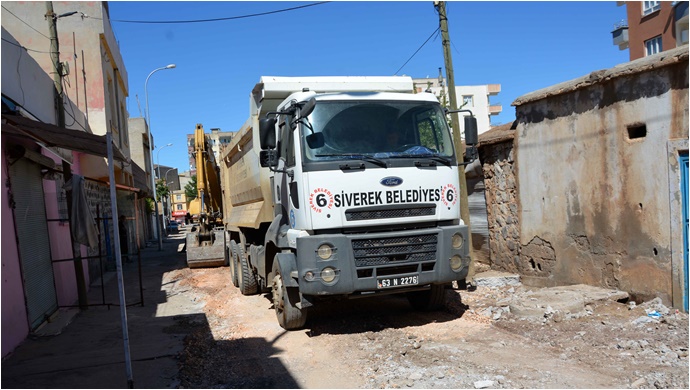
x=218 y=140
x=470 y=97
x=652 y=27
x=40 y=258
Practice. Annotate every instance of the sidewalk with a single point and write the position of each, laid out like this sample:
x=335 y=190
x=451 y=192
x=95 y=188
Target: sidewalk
x=89 y=351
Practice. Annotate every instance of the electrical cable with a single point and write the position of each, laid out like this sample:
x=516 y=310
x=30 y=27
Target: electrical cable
x=420 y=48
x=210 y=20
x=20 y=19
x=24 y=47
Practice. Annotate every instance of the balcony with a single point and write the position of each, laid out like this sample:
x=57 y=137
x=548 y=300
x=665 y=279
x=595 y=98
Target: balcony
x=620 y=35
x=493 y=89
x=495 y=109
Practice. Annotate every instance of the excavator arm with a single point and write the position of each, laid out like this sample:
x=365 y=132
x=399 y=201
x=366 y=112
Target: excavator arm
x=205 y=243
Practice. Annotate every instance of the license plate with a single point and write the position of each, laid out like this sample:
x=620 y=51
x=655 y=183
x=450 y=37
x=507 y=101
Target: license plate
x=399 y=282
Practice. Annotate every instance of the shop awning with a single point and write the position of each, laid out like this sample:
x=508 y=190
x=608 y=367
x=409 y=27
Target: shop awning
x=55 y=136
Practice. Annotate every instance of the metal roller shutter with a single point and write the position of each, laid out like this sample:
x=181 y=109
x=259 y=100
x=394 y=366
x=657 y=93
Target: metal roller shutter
x=34 y=241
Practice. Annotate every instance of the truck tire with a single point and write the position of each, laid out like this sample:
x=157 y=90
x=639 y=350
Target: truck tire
x=285 y=301
x=233 y=263
x=245 y=275
x=428 y=300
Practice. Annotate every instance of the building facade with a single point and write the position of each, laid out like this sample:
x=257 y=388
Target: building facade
x=41 y=258
x=652 y=27
x=475 y=98
x=219 y=139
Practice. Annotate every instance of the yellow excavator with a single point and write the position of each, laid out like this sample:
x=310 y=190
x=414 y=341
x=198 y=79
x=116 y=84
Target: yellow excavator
x=205 y=244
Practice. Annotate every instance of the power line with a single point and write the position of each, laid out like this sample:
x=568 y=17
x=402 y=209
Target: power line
x=211 y=20
x=25 y=48
x=420 y=48
x=20 y=19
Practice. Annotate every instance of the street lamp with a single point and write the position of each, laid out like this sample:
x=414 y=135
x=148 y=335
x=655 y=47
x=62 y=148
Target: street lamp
x=158 y=155
x=167 y=184
x=153 y=182
x=159 y=177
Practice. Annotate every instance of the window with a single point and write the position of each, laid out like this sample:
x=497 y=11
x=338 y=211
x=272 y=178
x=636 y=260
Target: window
x=178 y=197
x=638 y=130
x=653 y=45
x=467 y=101
x=179 y=207
x=650 y=6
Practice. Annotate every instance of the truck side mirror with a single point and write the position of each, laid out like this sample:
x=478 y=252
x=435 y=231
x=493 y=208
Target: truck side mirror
x=471 y=137
x=315 y=141
x=307 y=108
x=267 y=133
x=268 y=158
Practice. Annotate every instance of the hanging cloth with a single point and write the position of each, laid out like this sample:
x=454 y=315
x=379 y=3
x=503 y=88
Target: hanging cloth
x=82 y=222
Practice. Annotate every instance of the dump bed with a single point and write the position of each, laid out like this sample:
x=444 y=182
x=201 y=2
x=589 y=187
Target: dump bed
x=247 y=199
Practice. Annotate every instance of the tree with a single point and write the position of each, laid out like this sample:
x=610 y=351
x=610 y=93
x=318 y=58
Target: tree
x=162 y=190
x=190 y=189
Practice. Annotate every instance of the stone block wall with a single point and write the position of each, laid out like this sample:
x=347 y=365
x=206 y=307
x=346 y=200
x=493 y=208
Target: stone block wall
x=498 y=166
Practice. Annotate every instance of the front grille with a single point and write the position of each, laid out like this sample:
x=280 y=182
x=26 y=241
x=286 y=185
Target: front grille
x=360 y=215
x=395 y=250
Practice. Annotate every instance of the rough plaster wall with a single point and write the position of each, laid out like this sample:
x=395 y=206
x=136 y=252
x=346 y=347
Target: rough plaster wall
x=596 y=196
x=502 y=206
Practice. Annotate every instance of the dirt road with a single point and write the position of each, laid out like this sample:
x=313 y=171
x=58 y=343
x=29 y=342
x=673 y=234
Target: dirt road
x=382 y=343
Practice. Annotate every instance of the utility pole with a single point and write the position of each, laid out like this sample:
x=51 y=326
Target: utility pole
x=66 y=168
x=55 y=59
x=460 y=150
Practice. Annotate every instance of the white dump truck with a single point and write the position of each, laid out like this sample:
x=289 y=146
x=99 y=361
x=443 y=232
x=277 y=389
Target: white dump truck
x=343 y=187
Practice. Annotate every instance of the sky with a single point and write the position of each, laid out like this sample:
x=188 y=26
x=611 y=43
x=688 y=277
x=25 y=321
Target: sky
x=523 y=46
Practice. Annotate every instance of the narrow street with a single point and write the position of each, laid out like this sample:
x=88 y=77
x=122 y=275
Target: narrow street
x=382 y=343
x=197 y=331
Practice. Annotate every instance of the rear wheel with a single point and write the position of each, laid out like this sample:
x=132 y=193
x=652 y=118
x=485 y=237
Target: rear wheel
x=428 y=300
x=233 y=263
x=285 y=301
x=245 y=275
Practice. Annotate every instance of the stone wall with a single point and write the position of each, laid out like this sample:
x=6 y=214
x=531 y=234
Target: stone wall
x=502 y=204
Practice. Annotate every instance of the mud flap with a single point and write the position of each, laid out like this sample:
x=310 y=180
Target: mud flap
x=288 y=265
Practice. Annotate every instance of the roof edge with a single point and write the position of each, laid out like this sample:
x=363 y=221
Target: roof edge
x=663 y=59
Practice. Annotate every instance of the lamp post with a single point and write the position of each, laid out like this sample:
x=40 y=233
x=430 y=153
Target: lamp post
x=153 y=182
x=158 y=155
x=167 y=184
x=159 y=177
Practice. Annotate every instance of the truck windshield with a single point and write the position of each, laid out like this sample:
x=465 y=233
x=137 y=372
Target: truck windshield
x=378 y=129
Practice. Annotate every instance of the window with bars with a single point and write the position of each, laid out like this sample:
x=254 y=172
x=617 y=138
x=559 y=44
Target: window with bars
x=653 y=46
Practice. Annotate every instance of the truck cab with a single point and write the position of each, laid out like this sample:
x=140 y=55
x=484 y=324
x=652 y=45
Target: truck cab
x=365 y=192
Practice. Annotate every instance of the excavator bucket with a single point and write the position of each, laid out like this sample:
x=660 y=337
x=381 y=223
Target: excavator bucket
x=208 y=253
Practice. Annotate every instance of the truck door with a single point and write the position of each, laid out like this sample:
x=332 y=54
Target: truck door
x=285 y=177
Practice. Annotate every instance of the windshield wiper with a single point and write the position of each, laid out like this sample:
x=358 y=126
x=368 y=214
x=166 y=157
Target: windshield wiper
x=352 y=156
x=434 y=157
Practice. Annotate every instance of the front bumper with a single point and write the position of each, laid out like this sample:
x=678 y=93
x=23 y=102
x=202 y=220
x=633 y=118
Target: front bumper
x=361 y=261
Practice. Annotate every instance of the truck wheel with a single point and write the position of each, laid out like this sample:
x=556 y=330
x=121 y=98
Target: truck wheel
x=284 y=301
x=233 y=263
x=245 y=276
x=428 y=300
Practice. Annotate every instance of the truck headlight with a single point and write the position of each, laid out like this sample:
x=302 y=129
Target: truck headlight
x=457 y=241
x=455 y=263
x=325 y=251
x=328 y=274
